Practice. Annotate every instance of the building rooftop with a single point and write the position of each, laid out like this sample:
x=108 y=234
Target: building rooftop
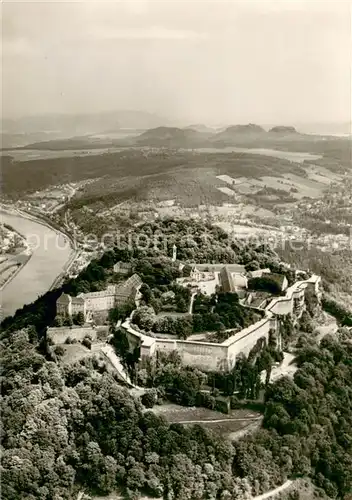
x=64 y=298
x=259 y=272
x=122 y=266
x=131 y=284
x=227 y=282
x=77 y=300
x=279 y=278
x=239 y=280
x=102 y=293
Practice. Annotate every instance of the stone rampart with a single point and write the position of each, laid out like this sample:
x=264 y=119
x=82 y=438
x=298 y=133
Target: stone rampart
x=207 y=356
x=285 y=304
x=244 y=341
x=59 y=335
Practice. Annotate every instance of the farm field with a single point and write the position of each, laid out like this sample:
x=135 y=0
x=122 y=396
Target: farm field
x=242 y=231
x=227 y=191
x=285 y=155
x=311 y=184
x=231 y=429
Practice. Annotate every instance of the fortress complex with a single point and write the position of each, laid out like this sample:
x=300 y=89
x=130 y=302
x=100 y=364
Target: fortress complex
x=207 y=278
x=104 y=300
x=210 y=356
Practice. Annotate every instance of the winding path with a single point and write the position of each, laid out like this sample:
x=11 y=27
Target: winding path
x=219 y=421
x=191 y=303
x=271 y=493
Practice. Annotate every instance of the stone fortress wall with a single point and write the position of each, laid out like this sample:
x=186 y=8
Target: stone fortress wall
x=209 y=356
x=59 y=335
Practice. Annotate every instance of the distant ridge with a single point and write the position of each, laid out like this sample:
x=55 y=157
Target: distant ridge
x=283 y=129
x=77 y=125
x=171 y=136
x=200 y=127
x=175 y=137
x=235 y=131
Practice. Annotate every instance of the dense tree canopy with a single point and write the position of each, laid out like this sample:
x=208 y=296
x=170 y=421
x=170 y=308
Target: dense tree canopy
x=73 y=427
x=67 y=427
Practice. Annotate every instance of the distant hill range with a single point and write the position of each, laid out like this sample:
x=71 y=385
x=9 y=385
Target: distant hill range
x=229 y=134
x=83 y=124
x=282 y=129
x=26 y=130
x=173 y=137
x=199 y=127
x=105 y=132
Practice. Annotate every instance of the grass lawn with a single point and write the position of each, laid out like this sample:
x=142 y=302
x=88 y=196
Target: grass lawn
x=74 y=352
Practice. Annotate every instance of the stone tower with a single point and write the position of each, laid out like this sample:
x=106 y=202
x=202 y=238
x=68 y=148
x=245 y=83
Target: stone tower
x=174 y=253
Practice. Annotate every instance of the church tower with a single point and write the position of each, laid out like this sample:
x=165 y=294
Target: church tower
x=174 y=253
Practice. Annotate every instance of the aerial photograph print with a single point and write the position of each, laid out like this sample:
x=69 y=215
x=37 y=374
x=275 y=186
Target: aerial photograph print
x=176 y=250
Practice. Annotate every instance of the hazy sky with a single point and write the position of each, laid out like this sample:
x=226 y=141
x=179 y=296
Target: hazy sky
x=201 y=61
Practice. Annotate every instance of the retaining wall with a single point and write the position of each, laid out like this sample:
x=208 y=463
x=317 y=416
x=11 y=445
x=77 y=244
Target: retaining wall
x=59 y=335
x=244 y=341
x=203 y=355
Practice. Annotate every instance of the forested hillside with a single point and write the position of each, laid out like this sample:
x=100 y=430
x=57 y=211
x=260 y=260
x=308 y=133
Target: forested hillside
x=71 y=428
x=68 y=427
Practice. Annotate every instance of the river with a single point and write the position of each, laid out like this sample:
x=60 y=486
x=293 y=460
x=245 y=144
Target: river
x=51 y=251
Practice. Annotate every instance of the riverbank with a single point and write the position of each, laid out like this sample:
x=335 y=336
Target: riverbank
x=53 y=252
x=43 y=219
x=40 y=219
x=19 y=267
x=58 y=280
x=13 y=261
